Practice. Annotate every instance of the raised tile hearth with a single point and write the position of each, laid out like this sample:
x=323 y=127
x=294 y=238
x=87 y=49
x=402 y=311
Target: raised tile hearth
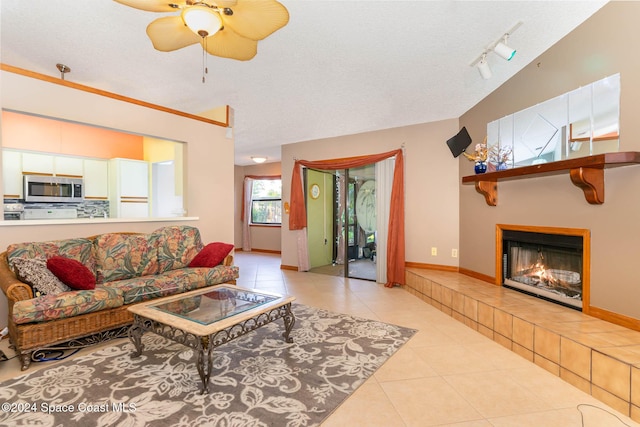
x=598 y=357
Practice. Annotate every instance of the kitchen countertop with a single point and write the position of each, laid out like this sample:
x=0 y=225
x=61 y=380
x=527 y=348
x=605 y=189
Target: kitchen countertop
x=26 y=223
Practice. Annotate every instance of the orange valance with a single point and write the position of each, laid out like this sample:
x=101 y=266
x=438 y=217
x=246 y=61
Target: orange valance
x=395 y=241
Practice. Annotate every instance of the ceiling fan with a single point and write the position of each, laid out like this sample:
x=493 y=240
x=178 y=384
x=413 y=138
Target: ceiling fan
x=225 y=28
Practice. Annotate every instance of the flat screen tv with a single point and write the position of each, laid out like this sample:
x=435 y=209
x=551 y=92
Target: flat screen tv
x=458 y=143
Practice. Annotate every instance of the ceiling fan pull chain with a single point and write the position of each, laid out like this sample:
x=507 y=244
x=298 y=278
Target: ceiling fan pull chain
x=204 y=61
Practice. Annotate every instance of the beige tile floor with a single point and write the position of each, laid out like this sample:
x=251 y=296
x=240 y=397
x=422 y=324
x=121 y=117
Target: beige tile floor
x=446 y=375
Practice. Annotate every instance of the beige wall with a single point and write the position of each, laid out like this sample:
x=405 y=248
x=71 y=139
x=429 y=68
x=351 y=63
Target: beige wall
x=431 y=184
x=262 y=238
x=602 y=46
x=209 y=159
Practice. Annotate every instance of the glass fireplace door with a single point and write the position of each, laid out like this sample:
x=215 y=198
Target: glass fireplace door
x=548 y=266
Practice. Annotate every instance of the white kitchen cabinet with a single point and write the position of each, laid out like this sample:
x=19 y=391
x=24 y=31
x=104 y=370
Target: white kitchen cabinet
x=132 y=177
x=96 y=179
x=68 y=166
x=36 y=163
x=133 y=209
x=128 y=188
x=12 y=174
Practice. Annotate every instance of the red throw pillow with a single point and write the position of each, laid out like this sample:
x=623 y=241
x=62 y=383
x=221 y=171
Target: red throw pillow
x=72 y=273
x=211 y=255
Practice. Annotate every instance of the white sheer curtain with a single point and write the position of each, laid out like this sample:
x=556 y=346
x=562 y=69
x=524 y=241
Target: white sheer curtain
x=384 y=183
x=303 y=250
x=246 y=229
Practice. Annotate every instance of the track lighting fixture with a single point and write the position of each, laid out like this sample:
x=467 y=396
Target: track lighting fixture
x=483 y=67
x=500 y=48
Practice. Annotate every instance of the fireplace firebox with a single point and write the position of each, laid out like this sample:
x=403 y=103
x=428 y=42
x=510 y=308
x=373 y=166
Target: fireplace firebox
x=547 y=263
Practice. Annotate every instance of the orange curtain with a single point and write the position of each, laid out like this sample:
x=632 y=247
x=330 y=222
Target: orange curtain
x=395 y=241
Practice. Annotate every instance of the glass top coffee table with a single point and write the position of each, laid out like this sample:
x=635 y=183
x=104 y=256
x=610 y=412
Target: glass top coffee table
x=207 y=318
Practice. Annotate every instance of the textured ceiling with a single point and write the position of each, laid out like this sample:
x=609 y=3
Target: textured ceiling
x=337 y=68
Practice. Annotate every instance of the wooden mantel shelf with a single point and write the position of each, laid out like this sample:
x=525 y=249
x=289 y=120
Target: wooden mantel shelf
x=585 y=172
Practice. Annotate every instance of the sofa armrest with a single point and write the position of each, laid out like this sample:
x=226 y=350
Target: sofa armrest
x=14 y=289
x=228 y=260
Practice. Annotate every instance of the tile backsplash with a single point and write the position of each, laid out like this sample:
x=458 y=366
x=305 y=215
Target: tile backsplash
x=87 y=209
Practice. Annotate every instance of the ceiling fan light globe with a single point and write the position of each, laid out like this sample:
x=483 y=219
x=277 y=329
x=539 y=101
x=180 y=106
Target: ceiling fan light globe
x=202 y=20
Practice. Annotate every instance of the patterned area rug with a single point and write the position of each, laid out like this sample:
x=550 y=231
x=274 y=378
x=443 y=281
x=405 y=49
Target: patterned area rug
x=258 y=379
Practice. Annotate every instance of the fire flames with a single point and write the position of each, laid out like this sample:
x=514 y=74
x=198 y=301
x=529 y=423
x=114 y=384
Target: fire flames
x=551 y=277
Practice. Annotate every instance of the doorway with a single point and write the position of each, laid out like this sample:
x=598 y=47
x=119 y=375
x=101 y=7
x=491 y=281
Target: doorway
x=341 y=222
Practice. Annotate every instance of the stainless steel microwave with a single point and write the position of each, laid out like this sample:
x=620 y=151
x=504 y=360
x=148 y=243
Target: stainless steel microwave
x=53 y=189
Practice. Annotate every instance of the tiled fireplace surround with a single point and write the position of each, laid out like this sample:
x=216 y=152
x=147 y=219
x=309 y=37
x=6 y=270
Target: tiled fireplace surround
x=596 y=356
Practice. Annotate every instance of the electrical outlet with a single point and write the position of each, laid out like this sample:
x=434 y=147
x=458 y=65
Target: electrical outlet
x=434 y=251
x=454 y=253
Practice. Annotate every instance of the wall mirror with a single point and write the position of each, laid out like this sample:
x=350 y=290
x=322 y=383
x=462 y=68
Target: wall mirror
x=579 y=123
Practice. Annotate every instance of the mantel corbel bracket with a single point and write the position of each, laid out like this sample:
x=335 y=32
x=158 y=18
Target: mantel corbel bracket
x=489 y=189
x=591 y=181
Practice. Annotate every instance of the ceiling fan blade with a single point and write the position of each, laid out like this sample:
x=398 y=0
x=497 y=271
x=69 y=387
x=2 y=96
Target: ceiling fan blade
x=225 y=3
x=228 y=44
x=256 y=19
x=170 y=33
x=153 y=5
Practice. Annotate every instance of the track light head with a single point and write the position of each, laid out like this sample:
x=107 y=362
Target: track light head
x=483 y=68
x=503 y=50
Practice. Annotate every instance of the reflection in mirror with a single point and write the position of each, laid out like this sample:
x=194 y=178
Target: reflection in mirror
x=579 y=123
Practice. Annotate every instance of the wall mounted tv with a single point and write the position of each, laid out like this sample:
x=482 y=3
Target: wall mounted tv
x=459 y=142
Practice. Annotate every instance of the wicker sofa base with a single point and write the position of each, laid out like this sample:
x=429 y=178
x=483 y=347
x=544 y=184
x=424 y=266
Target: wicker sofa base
x=29 y=338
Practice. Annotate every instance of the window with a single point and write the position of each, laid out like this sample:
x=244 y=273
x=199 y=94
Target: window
x=266 y=202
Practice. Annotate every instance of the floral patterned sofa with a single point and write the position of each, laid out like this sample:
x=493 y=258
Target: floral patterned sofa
x=96 y=278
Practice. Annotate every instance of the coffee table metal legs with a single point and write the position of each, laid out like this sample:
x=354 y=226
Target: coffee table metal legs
x=135 y=335
x=205 y=345
x=289 y=320
x=205 y=364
